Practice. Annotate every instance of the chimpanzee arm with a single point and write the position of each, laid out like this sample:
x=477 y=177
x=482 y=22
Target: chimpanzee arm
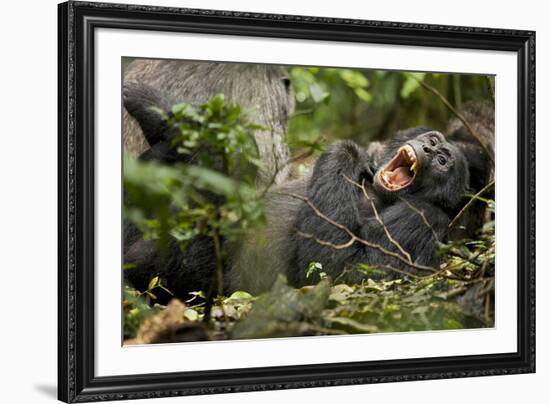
x=337 y=199
x=150 y=109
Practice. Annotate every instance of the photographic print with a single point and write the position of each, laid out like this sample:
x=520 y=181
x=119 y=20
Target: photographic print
x=265 y=201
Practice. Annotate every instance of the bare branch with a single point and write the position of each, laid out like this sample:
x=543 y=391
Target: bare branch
x=378 y=218
x=440 y=272
x=434 y=91
x=326 y=243
x=422 y=216
x=402 y=272
x=470 y=202
x=278 y=169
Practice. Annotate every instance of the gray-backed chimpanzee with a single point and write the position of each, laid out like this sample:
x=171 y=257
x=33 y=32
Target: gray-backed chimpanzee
x=264 y=90
x=418 y=177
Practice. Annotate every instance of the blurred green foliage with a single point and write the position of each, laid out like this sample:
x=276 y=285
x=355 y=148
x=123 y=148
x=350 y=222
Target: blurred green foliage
x=365 y=105
x=136 y=309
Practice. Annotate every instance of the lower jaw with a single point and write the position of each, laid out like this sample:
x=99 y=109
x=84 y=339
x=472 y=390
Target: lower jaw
x=396 y=188
x=395 y=191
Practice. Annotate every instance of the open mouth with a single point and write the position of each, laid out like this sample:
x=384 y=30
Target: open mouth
x=400 y=172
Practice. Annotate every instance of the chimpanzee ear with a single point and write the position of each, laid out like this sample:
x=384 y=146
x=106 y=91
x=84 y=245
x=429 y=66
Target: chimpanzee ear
x=149 y=108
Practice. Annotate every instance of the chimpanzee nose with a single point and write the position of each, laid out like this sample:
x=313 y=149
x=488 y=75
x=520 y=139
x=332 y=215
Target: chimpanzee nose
x=427 y=149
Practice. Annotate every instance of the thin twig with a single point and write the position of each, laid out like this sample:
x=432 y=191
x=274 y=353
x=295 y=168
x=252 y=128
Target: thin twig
x=469 y=203
x=326 y=243
x=464 y=257
x=422 y=216
x=440 y=272
x=486 y=287
x=458 y=115
x=377 y=216
x=402 y=272
x=454 y=292
x=483 y=269
x=278 y=169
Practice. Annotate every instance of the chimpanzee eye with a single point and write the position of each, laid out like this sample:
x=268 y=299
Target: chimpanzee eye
x=286 y=82
x=441 y=160
x=433 y=140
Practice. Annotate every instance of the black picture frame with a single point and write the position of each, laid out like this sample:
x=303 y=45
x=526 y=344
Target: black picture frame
x=77 y=22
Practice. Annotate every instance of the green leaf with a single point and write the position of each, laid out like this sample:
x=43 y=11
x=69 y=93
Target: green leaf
x=369 y=271
x=411 y=84
x=216 y=103
x=180 y=109
x=150 y=294
x=363 y=94
x=317 y=93
x=153 y=282
x=354 y=78
x=212 y=180
x=239 y=294
x=199 y=294
x=191 y=315
x=312 y=268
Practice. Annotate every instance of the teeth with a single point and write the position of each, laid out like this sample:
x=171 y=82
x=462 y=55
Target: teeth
x=406 y=152
x=409 y=153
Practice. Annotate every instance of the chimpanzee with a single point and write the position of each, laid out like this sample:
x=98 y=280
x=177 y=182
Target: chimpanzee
x=387 y=212
x=423 y=178
x=328 y=218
